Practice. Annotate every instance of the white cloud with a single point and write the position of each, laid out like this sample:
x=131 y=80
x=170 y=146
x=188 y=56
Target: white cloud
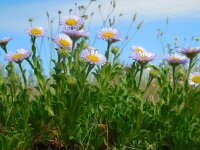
x=14 y=17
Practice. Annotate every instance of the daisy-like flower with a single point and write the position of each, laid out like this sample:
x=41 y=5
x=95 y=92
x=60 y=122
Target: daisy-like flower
x=75 y=34
x=142 y=57
x=138 y=49
x=36 y=31
x=18 y=56
x=63 y=41
x=194 y=78
x=92 y=56
x=175 y=59
x=71 y=21
x=190 y=52
x=109 y=34
x=5 y=41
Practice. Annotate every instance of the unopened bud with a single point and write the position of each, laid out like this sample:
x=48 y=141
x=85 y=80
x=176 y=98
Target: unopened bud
x=115 y=50
x=153 y=74
x=63 y=52
x=181 y=72
x=71 y=82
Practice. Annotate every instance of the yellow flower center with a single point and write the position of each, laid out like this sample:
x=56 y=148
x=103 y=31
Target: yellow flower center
x=36 y=31
x=108 y=34
x=71 y=22
x=196 y=79
x=93 y=58
x=17 y=56
x=138 y=50
x=191 y=50
x=64 y=42
x=177 y=59
x=143 y=57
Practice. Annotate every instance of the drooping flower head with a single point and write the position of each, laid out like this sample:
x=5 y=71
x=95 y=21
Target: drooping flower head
x=18 y=56
x=75 y=34
x=176 y=59
x=63 y=41
x=92 y=56
x=189 y=52
x=36 y=31
x=194 y=78
x=109 y=34
x=142 y=57
x=71 y=21
x=138 y=49
x=4 y=42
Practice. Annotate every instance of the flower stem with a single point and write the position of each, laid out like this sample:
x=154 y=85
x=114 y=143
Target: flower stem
x=4 y=48
x=141 y=72
x=108 y=50
x=189 y=70
x=23 y=73
x=88 y=70
x=174 y=81
x=187 y=84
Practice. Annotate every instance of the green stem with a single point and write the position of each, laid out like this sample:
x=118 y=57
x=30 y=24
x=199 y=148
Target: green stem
x=141 y=72
x=88 y=71
x=4 y=48
x=148 y=84
x=31 y=64
x=23 y=73
x=189 y=70
x=187 y=84
x=108 y=50
x=174 y=80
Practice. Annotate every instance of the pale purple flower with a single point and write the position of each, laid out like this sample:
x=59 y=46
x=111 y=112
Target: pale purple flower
x=189 y=52
x=18 y=56
x=138 y=49
x=63 y=41
x=142 y=57
x=109 y=34
x=5 y=41
x=194 y=78
x=92 y=56
x=75 y=34
x=176 y=59
x=36 y=31
x=71 y=21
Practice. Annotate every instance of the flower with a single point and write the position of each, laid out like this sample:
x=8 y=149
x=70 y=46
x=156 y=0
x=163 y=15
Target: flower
x=5 y=41
x=92 y=56
x=63 y=41
x=71 y=21
x=194 y=78
x=176 y=59
x=142 y=57
x=138 y=49
x=109 y=34
x=75 y=34
x=36 y=31
x=18 y=56
x=190 y=52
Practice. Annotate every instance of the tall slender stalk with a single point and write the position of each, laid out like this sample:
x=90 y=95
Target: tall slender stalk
x=141 y=72
x=108 y=50
x=174 y=80
x=187 y=84
x=23 y=74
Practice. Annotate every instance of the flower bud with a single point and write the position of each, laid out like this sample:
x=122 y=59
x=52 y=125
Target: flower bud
x=115 y=50
x=181 y=72
x=153 y=74
x=63 y=52
x=71 y=82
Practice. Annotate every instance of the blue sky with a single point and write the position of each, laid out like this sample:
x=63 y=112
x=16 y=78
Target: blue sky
x=183 y=17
